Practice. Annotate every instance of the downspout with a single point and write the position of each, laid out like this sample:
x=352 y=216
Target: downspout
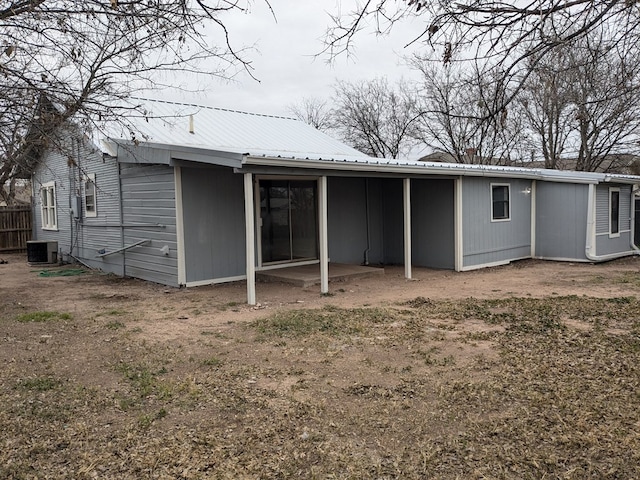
x=368 y=220
x=121 y=212
x=634 y=191
x=590 y=244
x=71 y=192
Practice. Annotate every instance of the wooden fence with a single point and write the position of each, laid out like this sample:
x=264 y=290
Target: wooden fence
x=15 y=228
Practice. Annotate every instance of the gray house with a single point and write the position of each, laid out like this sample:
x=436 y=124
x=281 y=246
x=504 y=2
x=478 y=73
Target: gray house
x=193 y=195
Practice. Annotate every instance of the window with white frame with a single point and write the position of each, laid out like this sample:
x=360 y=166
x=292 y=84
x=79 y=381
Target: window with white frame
x=614 y=212
x=90 y=197
x=48 y=206
x=500 y=204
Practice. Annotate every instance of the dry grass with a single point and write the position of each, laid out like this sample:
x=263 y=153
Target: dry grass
x=515 y=388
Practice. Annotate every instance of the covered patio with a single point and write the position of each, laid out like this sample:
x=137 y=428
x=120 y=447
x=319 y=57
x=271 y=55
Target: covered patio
x=309 y=275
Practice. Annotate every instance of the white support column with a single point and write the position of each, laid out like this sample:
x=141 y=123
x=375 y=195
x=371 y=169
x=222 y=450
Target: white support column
x=459 y=251
x=323 y=231
x=406 y=194
x=533 y=218
x=250 y=237
x=182 y=261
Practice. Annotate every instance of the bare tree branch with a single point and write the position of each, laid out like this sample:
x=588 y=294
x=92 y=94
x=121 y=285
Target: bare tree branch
x=510 y=35
x=375 y=118
x=89 y=56
x=315 y=112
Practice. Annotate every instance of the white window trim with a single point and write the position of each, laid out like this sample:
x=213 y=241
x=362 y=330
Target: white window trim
x=44 y=188
x=92 y=178
x=496 y=220
x=611 y=190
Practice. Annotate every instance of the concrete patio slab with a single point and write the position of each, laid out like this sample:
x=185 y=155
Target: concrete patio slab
x=309 y=275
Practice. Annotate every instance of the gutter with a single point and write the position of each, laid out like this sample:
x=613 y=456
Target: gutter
x=425 y=168
x=590 y=243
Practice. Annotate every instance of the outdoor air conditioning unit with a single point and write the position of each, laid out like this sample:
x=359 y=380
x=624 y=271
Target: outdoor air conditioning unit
x=42 y=251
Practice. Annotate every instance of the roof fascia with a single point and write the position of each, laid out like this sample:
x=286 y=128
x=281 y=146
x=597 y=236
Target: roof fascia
x=158 y=153
x=439 y=169
x=212 y=157
x=315 y=172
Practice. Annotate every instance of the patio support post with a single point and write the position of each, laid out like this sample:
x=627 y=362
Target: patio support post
x=182 y=261
x=533 y=200
x=459 y=251
x=250 y=237
x=324 y=242
x=406 y=194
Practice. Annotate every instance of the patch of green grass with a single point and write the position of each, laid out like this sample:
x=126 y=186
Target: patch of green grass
x=145 y=381
x=212 y=362
x=39 y=384
x=115 y=325
x=44 y=316
x=145 y=421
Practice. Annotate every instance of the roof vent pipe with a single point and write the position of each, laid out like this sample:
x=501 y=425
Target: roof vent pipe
x=191 y=130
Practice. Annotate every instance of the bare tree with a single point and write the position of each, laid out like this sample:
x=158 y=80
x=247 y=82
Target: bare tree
x=375 y=118
x=546 y=106
x=455 y=105
x=88 y=56
x=315 y=112
x=492 y=30
x=607 y=101
x=583 y=103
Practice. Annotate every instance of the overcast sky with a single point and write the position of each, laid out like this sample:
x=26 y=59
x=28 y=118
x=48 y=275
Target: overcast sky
x=286 y=62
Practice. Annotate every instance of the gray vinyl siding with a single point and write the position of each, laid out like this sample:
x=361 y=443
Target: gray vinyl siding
x=486 y=242
x=79 y=237
x=149 y=213
x=432 y=223
x=347 y=220
x=214 y=223
x=102 y=233
x=561 y=220
x=53 y=168
x=393 y=215
x=619 y=244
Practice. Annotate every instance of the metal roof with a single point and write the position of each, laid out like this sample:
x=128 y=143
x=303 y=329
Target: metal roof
x=265 y=140
x=169 y=123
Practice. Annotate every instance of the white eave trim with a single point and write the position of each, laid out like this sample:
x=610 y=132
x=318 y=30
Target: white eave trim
x=429 y=168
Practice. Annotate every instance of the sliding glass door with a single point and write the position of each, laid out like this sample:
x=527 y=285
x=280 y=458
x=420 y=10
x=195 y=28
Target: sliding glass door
x=288 y=210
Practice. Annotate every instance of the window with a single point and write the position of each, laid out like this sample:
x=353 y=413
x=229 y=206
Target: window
x=614 y=212
x=90 y=199
x=48 y=206
x=500 y=207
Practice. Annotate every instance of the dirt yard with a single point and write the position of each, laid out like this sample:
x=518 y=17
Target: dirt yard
x=530 y=370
